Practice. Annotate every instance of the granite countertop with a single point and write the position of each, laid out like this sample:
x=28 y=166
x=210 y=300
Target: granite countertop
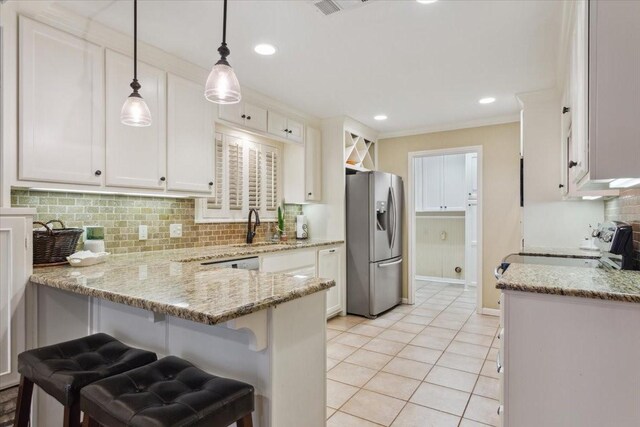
x=561 y=252
x=175 y=283
x=598 y=283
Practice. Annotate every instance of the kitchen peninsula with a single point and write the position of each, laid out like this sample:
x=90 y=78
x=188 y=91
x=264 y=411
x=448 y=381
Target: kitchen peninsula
x=267 y=329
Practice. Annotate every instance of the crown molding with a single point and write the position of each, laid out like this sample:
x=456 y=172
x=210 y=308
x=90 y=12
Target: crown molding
x=499 y=120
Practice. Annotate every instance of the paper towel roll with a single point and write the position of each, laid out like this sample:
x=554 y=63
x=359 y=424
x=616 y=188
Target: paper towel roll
x=302 y=231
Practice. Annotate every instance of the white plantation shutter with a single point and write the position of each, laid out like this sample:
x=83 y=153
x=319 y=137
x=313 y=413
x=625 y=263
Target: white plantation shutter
x=215 y=202
x=272 y=169
x=255 y=176
x=235 y=176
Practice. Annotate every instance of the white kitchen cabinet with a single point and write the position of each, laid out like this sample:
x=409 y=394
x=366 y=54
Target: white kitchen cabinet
x=289 y=262
x=330 y=267
x=15 y=269
x=190 y=137
x=442 y=185
x=61 y=106
x=604 y=93
x=285 y=127
x=303 y=160
x=245 y=114
x=136 y=156
x=471 y=166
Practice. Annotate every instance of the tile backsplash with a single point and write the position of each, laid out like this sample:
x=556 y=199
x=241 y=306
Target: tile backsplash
x=627 y=208
x=121 y=215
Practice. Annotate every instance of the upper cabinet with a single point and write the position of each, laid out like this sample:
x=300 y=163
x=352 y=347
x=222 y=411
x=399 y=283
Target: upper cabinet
x=285 y=127
x=602 y=95
x=245 y=114
x=190 y=137
x=313 y=165
x=303 y=161
x=441 y=183
x=136 y=156
x=61 y=106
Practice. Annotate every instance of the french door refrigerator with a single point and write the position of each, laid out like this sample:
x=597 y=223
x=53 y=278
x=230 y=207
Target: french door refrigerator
x=374 y=242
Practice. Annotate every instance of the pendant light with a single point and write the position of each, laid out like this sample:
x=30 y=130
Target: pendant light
x=135 y=111
x=222 y=84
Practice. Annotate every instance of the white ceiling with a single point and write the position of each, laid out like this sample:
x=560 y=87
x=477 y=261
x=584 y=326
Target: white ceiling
x=424 y=66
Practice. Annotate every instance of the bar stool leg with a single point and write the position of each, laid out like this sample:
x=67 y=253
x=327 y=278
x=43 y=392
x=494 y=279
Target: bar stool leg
x=87 y=421
x=72 y=415
x=246 y=421
x=23 y=406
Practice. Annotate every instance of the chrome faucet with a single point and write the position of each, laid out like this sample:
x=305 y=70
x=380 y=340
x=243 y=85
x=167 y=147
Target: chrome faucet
x=252 y=233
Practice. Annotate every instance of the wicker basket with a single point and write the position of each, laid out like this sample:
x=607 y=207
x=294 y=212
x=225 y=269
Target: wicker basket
x=54 y=245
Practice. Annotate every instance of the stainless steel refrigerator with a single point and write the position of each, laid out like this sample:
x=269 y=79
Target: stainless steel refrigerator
x=374 y=242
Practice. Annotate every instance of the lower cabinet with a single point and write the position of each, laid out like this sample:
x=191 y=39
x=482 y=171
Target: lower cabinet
x=15 y=269
x=325 y=263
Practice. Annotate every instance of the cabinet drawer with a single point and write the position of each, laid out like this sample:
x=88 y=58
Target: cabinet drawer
x=289 y=261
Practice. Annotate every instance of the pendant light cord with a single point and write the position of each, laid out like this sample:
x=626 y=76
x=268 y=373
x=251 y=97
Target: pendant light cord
x=135 y=40
x=224 y=24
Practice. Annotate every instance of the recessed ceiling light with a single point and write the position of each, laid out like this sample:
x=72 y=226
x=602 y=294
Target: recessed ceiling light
x=265 y=49
x=487 y=100
x=426 y=1
x=380 y=117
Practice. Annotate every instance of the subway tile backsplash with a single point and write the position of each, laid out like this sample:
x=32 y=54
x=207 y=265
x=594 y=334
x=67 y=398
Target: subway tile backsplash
x=121 y=215
x=627 y=208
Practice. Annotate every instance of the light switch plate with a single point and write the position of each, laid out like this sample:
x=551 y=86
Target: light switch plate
x=175 y=230
x=142 y=232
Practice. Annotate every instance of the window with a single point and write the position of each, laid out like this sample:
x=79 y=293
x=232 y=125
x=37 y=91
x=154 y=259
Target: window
x=247 y=175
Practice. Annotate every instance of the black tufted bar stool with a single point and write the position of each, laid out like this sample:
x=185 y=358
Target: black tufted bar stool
x=169 y=392
x=61 y=370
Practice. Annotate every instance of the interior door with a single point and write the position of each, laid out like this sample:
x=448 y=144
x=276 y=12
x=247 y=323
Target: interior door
x=397 y=200
x=386 y=285
x=432 y=183
x=381 y=230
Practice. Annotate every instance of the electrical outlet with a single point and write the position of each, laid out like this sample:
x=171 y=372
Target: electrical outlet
x=142 y=232
x=175 y=230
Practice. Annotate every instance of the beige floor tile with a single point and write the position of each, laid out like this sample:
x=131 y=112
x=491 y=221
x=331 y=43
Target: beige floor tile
x=391 y=315
x=392 y=385
x=366 y=330
x=343 y=323
x=441 y=398
x=462 y=363
x=487 y=387
x=479 y=329
x=438 y=332
x=452 y=378
x=431 y=342
x=332 y=333
x=448 y=324
x=404 y=308
x=380 y=322
x=398 y=336
x=407 y=368
x=351 y=374
x=338 y=393
x=466 y=349
x=340 y=419
x=374 y=407
x=418 y=320
x=493 y=354
x=495 y=343
x=420 y=416
x=420 y=354
x=459 y=310
x=421 y=311
x=483 y=410
x=330 y=411
x=339 y=351
x=412 y=328
x=384 y=346
x=469 y=423
x=369 y=359
x=354 y=340
x=480 y=319
x=489 y=369
x=331 y=363
x=474 y=339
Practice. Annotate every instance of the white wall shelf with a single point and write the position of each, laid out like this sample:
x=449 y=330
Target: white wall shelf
x=359 y=153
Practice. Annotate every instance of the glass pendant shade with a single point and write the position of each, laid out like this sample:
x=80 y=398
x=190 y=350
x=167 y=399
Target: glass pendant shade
x=135 y=112
x=222 y=85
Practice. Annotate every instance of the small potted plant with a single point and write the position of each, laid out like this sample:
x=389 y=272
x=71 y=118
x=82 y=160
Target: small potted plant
x=283 y=234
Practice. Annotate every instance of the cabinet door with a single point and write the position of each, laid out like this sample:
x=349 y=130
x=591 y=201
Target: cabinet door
x=255 y=117
x=329 y=267
x=418 y=183
x=471 y=175
x=136 y=156
x=294 y=168
x=232 y=113
x=579 y=165
x=295 y=130
x=277 y=124
x=313 y=165
x=432 y=183
x=15 y=269
x=61 y=106
x=190 y=137
x=454 y=182
x=288 y=262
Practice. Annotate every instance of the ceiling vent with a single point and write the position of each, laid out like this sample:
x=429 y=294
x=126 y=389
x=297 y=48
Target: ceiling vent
x=328 y=7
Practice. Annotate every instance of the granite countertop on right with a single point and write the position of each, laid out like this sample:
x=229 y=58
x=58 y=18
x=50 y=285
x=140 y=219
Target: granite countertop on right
x=597 y=283
x=561 y=252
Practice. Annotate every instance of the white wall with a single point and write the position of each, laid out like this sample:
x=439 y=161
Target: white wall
x=549 y=221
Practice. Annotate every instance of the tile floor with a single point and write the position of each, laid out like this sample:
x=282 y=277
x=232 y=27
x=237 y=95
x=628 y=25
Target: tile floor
x=431 y=364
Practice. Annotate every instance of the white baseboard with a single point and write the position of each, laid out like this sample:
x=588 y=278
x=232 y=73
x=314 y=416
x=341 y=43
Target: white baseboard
x=440 y=280
x=490 y=311
x=405 y=300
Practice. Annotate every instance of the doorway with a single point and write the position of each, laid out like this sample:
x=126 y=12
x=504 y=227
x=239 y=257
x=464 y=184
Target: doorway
x=444 y=210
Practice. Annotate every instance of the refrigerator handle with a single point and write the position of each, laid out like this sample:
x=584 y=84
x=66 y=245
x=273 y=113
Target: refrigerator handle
x=395 y=217
x=389 y=264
